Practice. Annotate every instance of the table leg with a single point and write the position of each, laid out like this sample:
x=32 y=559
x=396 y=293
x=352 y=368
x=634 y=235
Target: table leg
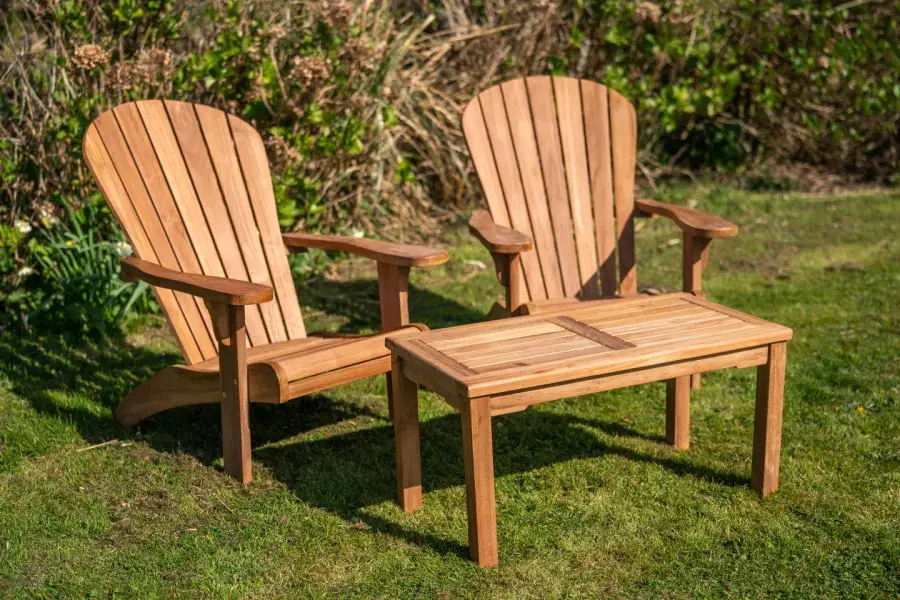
x=696 y=381
x=405 y=402
x=478 y=454
x=767 y=428
x=678 y=411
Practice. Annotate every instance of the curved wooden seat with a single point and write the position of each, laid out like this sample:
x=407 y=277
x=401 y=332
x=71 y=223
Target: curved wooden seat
x=276 y=373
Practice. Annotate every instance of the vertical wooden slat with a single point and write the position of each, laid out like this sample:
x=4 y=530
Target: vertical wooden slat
x=176 y=173
x=571 y=131
x=104 y=171
x=255 y=167
x=479 y=145
x=546 y=131
x=203 y=175
x=217 y=134
x=157 y=186
x=497 y=126
x=123 y=162
x=596 y=127
x=515 y=98
x=623 y=131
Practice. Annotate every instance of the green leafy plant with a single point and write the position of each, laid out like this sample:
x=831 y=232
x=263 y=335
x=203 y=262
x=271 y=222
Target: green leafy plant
x=82 y=291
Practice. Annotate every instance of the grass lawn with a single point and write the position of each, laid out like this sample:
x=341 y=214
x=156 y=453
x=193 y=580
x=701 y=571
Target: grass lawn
x=590 y=501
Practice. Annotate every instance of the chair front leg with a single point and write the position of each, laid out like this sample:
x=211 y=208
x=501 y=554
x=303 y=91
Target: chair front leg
x=393 y=298
x=694 y=258
x=393 y=292
x=510 y=277
x=695 y=255
x=228 y=325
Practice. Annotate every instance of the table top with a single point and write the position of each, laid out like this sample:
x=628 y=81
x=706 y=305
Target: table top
x=597 y=338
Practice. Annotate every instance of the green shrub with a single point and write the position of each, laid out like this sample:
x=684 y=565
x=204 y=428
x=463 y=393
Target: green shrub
x=359 y=103
x=77 y=290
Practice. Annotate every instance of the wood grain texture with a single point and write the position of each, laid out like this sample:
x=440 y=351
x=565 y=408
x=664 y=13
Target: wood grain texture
x=504 y=366
x=191 y=187
x=393 y=293
x=234 y=385
x=626 y=378
x=767 y=426
x=678 y=412
x=254 y=166
x=405 y=402
x=595 y=103
x=623 y=136
x=556 y=158
x=151 y=181
x=661 y=329
x=478 y=458
x=694 y=257
x=542 y=100
x=689 y=220
x=525 y=162
x=220 y=143
x=570 y=115
x=186 y=385
x=544 y=149
x=497 y=238
x=482 y=153
x=591 y=333
x=503 y=154
x=138 y=213
x=213 y=289
x=401 y=255
x=203 y=177
x=103 y=169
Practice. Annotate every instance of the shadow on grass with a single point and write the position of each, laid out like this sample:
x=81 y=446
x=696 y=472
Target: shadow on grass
x=343 y=474
x=356 y=302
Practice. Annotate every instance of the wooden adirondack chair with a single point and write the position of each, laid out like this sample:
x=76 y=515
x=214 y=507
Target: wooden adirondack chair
x=191 y=188
x=556 y=160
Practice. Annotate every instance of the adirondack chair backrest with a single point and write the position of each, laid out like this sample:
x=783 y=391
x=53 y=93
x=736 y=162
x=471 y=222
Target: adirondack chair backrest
x=556 y=160
x=191 y=188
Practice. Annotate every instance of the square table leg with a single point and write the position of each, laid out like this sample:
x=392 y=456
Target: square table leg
x=478 y=455
x=767 y=427
x=678 y=411
x=403 y=396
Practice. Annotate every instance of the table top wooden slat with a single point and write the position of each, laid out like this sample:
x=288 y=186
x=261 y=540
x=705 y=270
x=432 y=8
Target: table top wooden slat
x=515 y=354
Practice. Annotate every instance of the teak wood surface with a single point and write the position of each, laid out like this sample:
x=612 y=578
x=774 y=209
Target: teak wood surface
x=556 y=160
x=190 y=186
x=496 y=367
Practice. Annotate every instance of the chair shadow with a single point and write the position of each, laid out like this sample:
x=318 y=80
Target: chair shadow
x=47 y=372
x=348 y=473
x=343 y=474
x=356 y=302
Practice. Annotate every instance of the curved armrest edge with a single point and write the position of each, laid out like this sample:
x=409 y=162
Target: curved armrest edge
x=218 y=290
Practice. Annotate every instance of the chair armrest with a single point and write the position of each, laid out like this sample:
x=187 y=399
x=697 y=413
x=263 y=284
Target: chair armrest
x=212 y=289
x=689 y=220
x=497 y=238
x=402 y=255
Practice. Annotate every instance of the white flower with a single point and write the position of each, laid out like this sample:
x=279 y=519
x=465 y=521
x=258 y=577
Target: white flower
x=25 y=272
x=23 y=226
x=123 y=249
x=357 y=233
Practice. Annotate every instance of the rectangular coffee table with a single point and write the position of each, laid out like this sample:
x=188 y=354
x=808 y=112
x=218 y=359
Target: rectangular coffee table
x=503 y=366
